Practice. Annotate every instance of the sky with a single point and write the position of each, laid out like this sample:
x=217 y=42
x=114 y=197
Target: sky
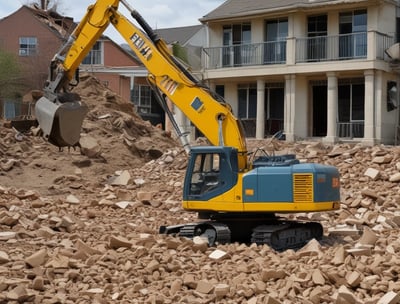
x=157 y=13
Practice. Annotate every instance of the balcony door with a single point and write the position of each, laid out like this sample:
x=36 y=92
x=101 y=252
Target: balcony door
x=236 y=40
x=275 y=45
x=274 y=108
x=351 y=99
x=353 y=34
x=247 y=107
x=317 y=36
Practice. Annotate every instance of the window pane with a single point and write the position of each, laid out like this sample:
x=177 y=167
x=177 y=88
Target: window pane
x=27 y=46
x=360 y=21
x=242 y=98
x=252 y=103
x=227 y=39
x=246 y=33
x=276 y=98
x=344 y=103
x=237 y=34
x=317 y=26
x=283 y=29
x=272 y=30
x=220 y=90
x=357 y=102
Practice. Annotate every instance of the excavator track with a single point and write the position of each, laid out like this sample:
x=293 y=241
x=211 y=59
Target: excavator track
x=286 y=235
x=278 y=234
x=217 y=233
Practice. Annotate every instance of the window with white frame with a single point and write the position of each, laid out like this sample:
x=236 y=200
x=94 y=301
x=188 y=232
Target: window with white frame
x=142 y=96
x=94 y=57
x=28 y=46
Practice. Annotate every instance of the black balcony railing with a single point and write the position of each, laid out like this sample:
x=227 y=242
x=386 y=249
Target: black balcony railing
x=310 y=49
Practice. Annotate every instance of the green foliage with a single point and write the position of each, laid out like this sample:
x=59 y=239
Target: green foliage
x=180 y=52
x=10 y=75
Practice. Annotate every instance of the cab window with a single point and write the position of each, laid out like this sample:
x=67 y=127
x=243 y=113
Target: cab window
x=206 y=174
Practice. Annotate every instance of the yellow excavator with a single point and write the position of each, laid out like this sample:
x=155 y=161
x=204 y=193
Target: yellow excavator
x=237 y=196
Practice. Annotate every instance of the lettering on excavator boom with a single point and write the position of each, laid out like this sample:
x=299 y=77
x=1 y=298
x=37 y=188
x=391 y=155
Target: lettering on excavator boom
x=140 y=44
x=169 y=84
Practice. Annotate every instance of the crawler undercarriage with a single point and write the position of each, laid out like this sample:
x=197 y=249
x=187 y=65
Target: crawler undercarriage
x=279 y=234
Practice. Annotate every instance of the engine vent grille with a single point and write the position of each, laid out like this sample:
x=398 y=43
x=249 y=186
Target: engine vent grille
x=303 y=188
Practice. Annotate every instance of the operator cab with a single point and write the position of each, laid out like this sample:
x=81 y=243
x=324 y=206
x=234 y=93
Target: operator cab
x=211 y=171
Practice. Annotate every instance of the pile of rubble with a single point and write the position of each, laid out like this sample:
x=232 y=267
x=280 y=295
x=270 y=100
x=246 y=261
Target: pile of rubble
x=82 y=226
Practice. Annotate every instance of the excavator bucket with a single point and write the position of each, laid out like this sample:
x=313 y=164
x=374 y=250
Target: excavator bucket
x=60 y=122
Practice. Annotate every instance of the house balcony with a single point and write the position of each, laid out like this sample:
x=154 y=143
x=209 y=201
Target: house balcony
x=364 y=45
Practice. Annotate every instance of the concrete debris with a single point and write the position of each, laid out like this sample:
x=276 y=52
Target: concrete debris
x=81 y=226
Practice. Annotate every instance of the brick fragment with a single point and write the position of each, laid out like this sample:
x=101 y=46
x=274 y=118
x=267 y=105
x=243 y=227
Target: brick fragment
x=37 y=259
x=204 y=287
x=272 y=274
x=354 y=279
x=372 y=173
x=221 y=290
x=390 y=297
x=368 y=237
x=4 y=258
x=118 y=242
x=345 y=296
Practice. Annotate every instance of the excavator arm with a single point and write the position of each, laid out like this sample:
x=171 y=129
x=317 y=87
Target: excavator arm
x=207 y=111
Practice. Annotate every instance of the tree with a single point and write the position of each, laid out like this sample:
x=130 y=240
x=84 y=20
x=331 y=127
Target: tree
x=10 y=75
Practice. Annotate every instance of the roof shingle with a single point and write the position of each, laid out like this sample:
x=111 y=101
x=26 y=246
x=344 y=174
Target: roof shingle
x=237 y=8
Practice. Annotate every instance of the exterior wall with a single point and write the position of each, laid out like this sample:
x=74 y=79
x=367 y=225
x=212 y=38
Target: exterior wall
x=23 y=24
x=215 y=34
x=385 y=19
x=114 y=56
x=193 y=48
x=379 y=123
x=258 y=33
x=117 y=83
x=198 y=39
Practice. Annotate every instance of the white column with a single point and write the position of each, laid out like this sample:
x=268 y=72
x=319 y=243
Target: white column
x=369 y=108
x=380 y=103
x=289 y=109
x=371 y=45
x=260 y=119
x=332 y=109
